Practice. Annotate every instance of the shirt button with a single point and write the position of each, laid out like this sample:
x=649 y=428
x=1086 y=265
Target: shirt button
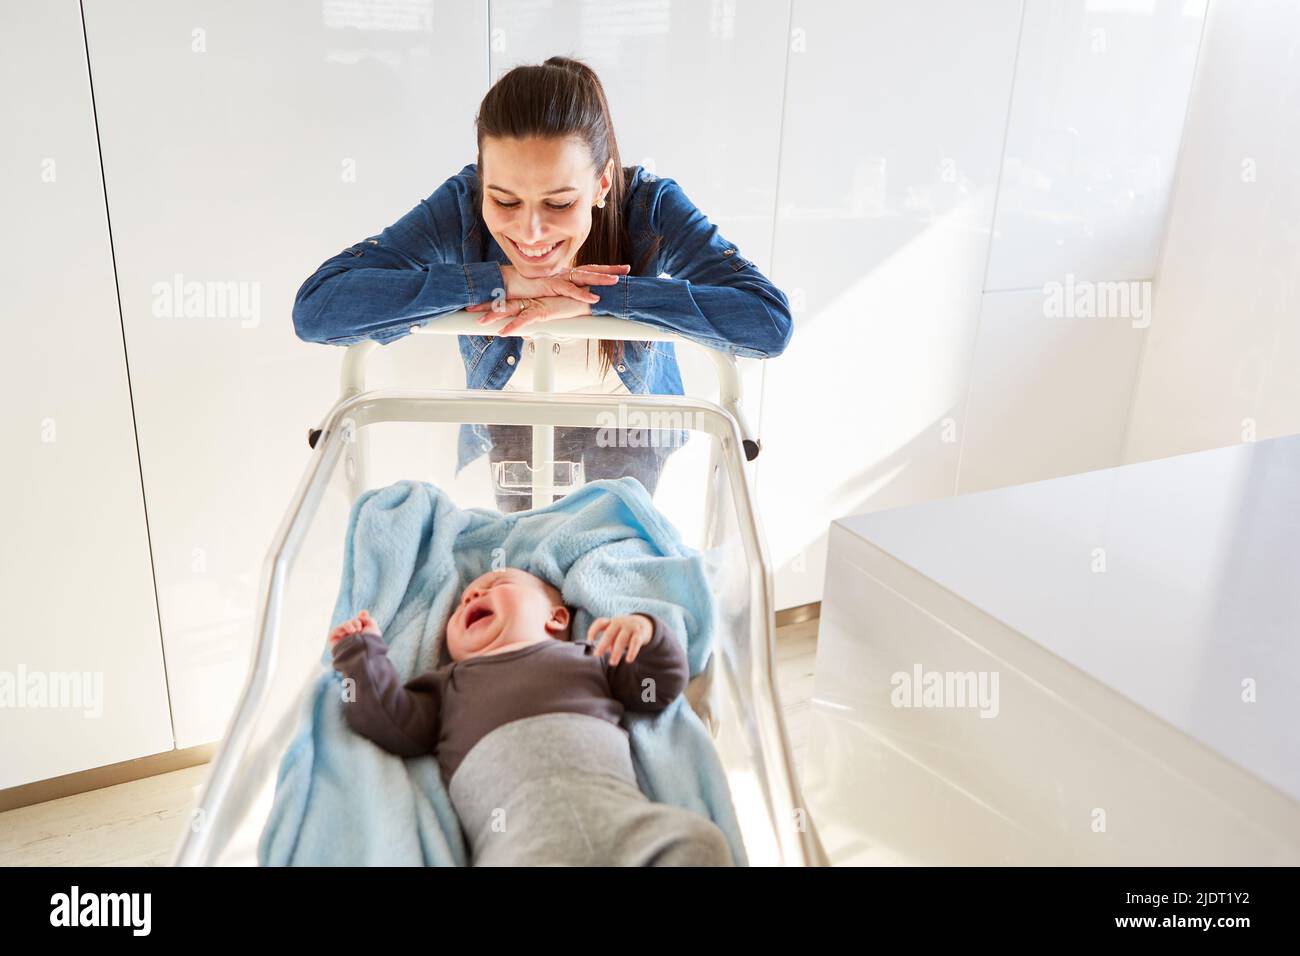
x=555 y=347
x=415 y=328
x=729 y=252
x=510 y=360
x=622 y=368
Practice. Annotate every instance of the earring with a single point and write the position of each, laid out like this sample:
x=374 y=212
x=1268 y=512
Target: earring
x=600 y=204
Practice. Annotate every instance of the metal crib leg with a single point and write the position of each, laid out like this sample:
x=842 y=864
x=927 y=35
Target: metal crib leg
x=544 y=435
x=543 y=466
x=355 y=455
x=352 y=381
x=712 y=514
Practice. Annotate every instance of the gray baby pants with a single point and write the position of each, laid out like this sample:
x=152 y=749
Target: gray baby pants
x=559 y=790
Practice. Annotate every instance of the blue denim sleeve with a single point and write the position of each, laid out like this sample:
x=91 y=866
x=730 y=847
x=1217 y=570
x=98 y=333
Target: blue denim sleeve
x=714 y=296
x=406 y=275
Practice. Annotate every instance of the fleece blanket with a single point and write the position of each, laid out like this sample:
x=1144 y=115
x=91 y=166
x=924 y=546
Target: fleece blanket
x=340 y=800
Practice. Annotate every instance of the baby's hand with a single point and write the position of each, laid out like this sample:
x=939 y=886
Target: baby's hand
x=362 y=622
x=626 y=633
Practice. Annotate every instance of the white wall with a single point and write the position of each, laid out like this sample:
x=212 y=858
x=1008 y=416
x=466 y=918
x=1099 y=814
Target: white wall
x=941 y=162
x=75 y=580
x=1224 y=343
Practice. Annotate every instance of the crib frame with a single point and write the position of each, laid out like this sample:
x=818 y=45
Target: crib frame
x=342 y=436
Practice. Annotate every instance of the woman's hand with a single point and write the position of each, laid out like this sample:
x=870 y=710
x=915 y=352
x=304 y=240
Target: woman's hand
x=571 y=283
x=526 y=312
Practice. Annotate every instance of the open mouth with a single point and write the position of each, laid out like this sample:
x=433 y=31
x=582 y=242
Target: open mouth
x=475 y=613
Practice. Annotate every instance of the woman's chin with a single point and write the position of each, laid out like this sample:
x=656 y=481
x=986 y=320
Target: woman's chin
x=531 y=270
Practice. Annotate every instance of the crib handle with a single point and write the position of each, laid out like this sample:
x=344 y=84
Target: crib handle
x=588 y=327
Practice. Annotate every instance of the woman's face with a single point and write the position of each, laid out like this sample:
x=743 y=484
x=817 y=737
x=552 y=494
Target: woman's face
x=537 y=198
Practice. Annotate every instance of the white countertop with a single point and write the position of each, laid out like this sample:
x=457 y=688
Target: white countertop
x=1200 y=592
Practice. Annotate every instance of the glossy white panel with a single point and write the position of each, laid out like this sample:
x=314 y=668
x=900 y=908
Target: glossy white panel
x=74 y=552
x=892 y=137
x=1096 y=117
x=1140 y=621
x=246 y=148
x=1050 y=390
x=1193 y=594
x=1224 y=344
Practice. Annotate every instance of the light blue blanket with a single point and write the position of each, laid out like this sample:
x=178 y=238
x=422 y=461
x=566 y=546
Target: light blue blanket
x=340 y=800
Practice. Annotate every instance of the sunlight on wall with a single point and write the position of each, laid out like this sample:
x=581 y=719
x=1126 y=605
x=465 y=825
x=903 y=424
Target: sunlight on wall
x=870 y=378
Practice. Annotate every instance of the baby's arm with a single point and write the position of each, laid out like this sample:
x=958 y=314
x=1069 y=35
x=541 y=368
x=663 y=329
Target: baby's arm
x=648 y=668
x=400 y=720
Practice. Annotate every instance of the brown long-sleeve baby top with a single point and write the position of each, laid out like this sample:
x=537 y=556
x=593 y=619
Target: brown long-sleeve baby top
x=449 y=709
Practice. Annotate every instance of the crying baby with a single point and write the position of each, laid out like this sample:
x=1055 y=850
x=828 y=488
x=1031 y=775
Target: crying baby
x=525 y=723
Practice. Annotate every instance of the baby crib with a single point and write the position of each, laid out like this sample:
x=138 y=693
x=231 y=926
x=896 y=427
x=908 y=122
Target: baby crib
x=736 y=695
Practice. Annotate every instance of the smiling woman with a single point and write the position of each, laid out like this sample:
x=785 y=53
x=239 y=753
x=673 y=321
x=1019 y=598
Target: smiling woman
x=548 y=224
x=552 y=194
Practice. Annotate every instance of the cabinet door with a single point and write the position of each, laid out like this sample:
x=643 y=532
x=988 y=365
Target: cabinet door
x=81 y=665
x=269 y=144
x=881 y=244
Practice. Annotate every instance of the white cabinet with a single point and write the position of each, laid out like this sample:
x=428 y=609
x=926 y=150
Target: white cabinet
x=1092 y=140
x=1220 y=364
x=74 y=553
x=1049 y=393
x=941 y=162
x=242 y=149
x=1096 y=669
x=893 y=129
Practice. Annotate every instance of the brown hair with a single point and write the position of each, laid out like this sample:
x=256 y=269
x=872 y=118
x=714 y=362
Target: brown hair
x=560 y=98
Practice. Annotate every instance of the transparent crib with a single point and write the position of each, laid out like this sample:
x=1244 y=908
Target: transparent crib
x=371 y=438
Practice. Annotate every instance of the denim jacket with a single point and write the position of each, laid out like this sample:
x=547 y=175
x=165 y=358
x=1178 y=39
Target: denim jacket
x=432 y=262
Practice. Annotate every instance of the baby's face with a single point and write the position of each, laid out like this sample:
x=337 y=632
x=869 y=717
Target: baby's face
x=501 y=608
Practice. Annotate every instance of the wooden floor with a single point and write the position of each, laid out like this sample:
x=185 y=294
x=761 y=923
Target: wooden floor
x=139 y=823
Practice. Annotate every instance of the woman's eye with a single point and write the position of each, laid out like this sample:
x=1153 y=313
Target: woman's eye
x=512 y=205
